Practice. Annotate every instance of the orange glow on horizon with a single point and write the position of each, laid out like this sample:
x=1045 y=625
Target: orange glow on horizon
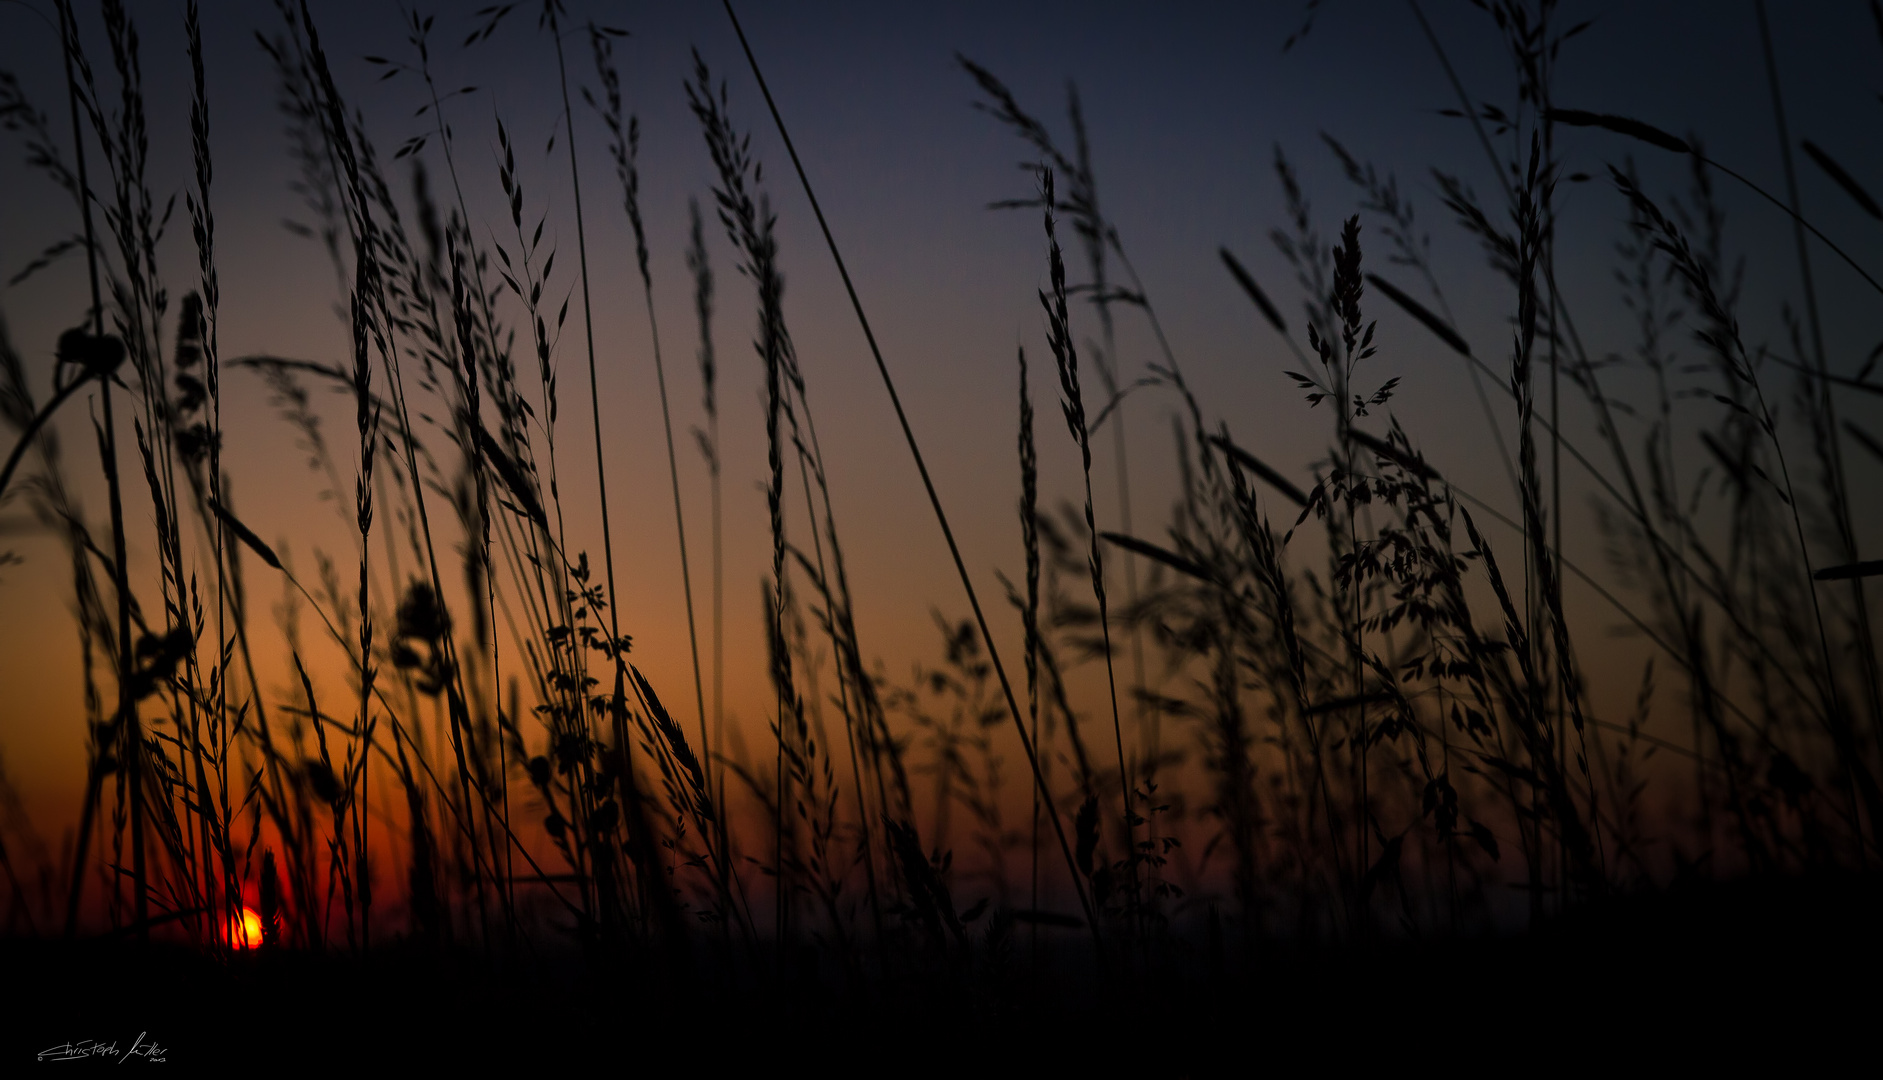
x=245 y=930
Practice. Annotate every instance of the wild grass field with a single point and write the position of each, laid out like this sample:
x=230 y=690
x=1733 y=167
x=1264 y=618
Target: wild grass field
x=1245 y=730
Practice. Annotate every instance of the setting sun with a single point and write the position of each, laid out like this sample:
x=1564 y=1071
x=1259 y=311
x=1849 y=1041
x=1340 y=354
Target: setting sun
x=245 y=930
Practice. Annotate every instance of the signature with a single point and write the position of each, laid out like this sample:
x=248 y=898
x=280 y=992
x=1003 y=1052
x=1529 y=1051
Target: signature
x=142 y=1047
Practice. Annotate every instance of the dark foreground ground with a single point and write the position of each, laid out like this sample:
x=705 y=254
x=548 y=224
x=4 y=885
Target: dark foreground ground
x=1715 y=974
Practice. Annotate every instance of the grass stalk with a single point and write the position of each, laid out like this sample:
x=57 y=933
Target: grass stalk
x=922 y=468
x=623 y=149
x=1066 y=357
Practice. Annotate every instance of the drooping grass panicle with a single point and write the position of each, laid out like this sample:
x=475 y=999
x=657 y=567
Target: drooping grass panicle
x=1072 y=404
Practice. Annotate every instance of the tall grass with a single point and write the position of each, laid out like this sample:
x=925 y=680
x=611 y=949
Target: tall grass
x=1374 y=717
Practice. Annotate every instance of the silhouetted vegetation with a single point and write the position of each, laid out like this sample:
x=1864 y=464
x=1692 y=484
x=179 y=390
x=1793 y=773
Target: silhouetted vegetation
x=1352 y=729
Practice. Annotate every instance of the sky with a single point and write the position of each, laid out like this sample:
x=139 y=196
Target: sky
x=1187 y=106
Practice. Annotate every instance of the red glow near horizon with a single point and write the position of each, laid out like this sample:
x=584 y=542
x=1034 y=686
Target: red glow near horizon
x=245 y=930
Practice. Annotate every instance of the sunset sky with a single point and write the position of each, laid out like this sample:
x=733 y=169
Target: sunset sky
x=1186 y=106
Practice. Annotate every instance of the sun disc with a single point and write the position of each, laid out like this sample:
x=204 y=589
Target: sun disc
x=245 y=930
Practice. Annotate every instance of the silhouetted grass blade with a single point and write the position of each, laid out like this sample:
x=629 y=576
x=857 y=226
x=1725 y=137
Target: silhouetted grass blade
x=1843 y=178
x=1247 y=281
x=246 y=535
x=1621 y=125
x=1255 y=465
x=1420 y=312
x=512 y=476
x=1152 y=551
x=1868 y=568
